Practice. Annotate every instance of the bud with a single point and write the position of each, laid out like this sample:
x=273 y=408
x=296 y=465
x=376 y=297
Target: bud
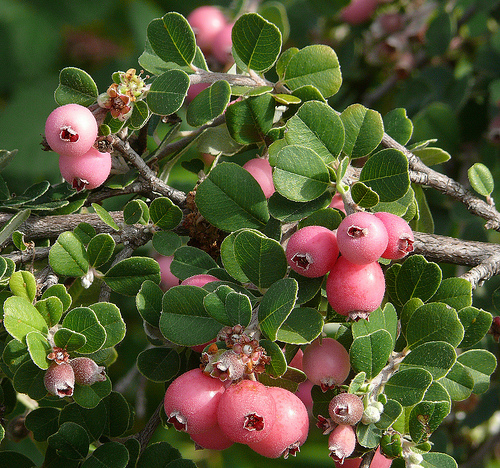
x=371 y=415
x=391 y=446
x=59 y=379
x=86 y=371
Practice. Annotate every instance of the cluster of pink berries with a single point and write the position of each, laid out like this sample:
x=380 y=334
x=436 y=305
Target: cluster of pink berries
x=272 y=421
x=71 y=131
x=63 y=373
x=356 y=285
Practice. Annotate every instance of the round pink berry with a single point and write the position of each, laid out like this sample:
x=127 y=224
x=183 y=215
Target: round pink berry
x=70 y=130
x=304 y=393
x=195 y=89
x=206 y=22
x=59 y=379
x=87 y=171
x=362 y=238
x=290 y=428
x=341 y=442
x=326 y=363
x=222 y=45
x=213 y=439
x=346 y=408
x=168 y=280
x=355 y=290
x=358 y=11
x=262 y=172
x=199 y=280
x=312 y=251
x=400 y=236
x=246 y=412
x=87 y=372
x=191 y=401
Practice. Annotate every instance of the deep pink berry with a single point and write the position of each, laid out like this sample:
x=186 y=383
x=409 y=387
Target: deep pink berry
x=290 y=428
x=346 y=408
x=362 y=238
x=262 y=172
x=355 y=290
x=87 y=171
x=341 y=442
x=199 y=280
x=297 y=360
x=246 y=412
x=304 y=393
x=401 y=238
x=168 y=280
x=87 y=372
x=312 y=251
x=379 y=461
x=191 y=401
x=213 y=439
x=195 y=89
x=222 y=45
x=326 y=363
x=206 y=22
x=358 y=11
x=59 y=379
x=70 y=130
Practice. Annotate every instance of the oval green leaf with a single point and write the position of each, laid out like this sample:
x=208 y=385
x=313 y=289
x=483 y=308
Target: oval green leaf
x=481 y=179
x=408 y=386
x=68 y=256
x=75 y=87
x=127 y=276
x=167 y=92
x=209 y=104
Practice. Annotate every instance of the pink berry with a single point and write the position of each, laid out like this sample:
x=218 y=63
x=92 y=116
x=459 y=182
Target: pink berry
x=262 y=172
x=290 y=428
x=297 y=360
x=312 y=251
x=213 y=439
x=87 y=171
x=355 y=290
x=346 y=408
x=199 y=280
x=362 y=238
x=195 y=89
x=191 y=401
x=168 y=280
x=59 y=379
x=341 y=442
x=206 y=22
x=304 y=393
x=87 y=372
x=400 y=236
x=326 y=363
x=70 y=130
x=358 y=11
x=246 y=412
x=379 y=461
x=222 y=45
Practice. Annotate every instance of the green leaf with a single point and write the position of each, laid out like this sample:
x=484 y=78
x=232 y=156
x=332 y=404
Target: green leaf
x=238 y=309
x=23 y=284
x=209 y=104
x=43 y=422
x=189 y=261
x=480 y=364
x=105 y=216
x=110 y=318
x=256 y=41
x=364 y=196
x=140 y=115
x=439 y=34
x=59 y=291
x=300 y=174
x=456 y=292
x=172 y=39
x=458 y=382
x=315 y=65
x=159 y=364
x=425 y=223
x=68 y=256
x=166 y=242
x=15 y=354
x=317 y=127
x=425 y=418
x=136 y=211
x=223 y=202
x=302 y=326
x=100 y=249
x=127 y=276
x=481 y=179
x=12 y=224
x=84 y=320
x=284 y=59
x=436 y=357
x=364 y=130
x=89 y=396
x=184 y=320
x=288 y=211
x=167 y=92
x=398 y=126
x=108 y=455
x=370 y=353
x=386 y=172
x=408 y=386
x=476 y=323
x=164 y=213
x=21 y=317
x=38 y=347
x=392 y=411
x=249 y=120
x=434 y=322
x=75 y=86
x=149 y=302
x=432 y=156
x=327 y=217
x=165 y=452
x=277 y=366
x=51 y=309
x=91 y=419
x=276 y=306
x=438 y=460
x=29 y=379
x=417 y=278
x=69 y=339
x=368 y=435
x=254 y=253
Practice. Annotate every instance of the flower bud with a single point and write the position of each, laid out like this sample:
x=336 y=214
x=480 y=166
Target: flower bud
x=371 y=415
x=87 y=372
x=59 y=379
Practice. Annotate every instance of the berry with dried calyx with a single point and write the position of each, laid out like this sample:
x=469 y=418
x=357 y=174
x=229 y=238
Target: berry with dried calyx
x=59 y=379
x=401 y=239
x=341 y=442
x=346 y=408
x=213 y=439
x=87 y=372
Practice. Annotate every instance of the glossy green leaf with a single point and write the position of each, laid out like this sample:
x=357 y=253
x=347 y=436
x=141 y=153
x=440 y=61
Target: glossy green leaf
x=38 y=347
x=166 y=242
x=302 y=326
x=208 y=104
x=15 y=354
x=380 y=319
x=481 y=179
x=284 y=59
x=256 y=41
x=110 y=318
x=229 y=260
x=364 y=130
x=370 y=353
x=408 y=386
x=172 y=39
x=189 y=261
x=68 y=256
x=159 y=364
x=217 y=140
x=119 y=414
x=84 y=320
x=300 y=174
x=368 y=435
x=136 y=211
x=277 y=366
x=392 y=411
x=149 y=302
x=398 y=126
x=417 y=278
x=167 y=92
x=69 y=339
x=222 y=200
x=28 y=379
x=23 y=284
x=364 y=196
x=476 y=323
x=162 y=451
x=108 y=455
x=12 y=458
x=436 y=357
x=456 y=292
x=458 y=382
x=164 y=213
x=480 y=364
x=276 y=306
x=127 y=276
x=315 y=65
x=238 y=309
x=89 y=396
x=100 y=249
x=75 y=87
x=51 y=309
x=289 y=211
x=140 y=115
x=43 y=422
x=21 y=317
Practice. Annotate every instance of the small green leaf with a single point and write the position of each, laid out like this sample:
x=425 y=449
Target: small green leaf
x=277 y=366
x=51 y=309
x=75 y=87
x=43 y=422
x=438 y=460
x=425 y=418
x=110 y=318
x=84 y=320
x=13 y=224
x=398 y=126
x=480 y=364
x=436 y=357
x=417 y=278
x=283 y=60
x=108 y=455
x=21 y=317
x=127 y=276
x=209 y=104
x=167 y=92
x=38 y=347
x=408 y=386
x=89 y=396
x=100 y=249
x=302 y=326
x=164 y=213
x=458 y=382
x=370 y=353
x=456 y=292
x=59 y=291
x=189 y=261
x=481 y=179
x=29 y=379
x=149 y=302
x=140 y=115
x=69 y=339
x=23 y=284
x=364 y=196
x=13 y=458
x=159 y=364
x=166 y=242
x=432 y=156
x=439 y=34
x=68 y=256
x=476 y=323
x=105 y=216
x=136 y=211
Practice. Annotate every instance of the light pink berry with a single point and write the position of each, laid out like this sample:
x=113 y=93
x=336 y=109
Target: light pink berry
x=304 y=393
x=191 y=401
x=206 y=22
x=246 y=412
x=59 y=379
x=341 y=442
x=195 y=89
x=358 y=11
x=87 y=171
x=70 y=130
x=290 y=428
x=222 y=45
x=379 y=461
x=326 y=363
x=262 y=172
x=346 y=408
x=362 y=238
x=400 y=236
x=355 y=290
x=168 y=280
x=87 y=372
x=199 y=280
x=213 y=439
x=312 y=251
